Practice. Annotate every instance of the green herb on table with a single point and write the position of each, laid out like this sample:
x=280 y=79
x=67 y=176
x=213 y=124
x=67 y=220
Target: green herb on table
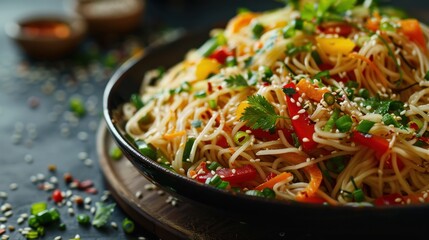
x=102 y=214
x=115 y=153
x=128 y=226
x=77 y=106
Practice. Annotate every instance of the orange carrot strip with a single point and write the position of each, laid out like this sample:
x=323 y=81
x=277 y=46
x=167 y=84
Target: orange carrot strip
x=310 y=90
x=316 y=178
x=270 y=183
x=411 y=28
x=241 y=21
x=169 y=136
x=313 y=173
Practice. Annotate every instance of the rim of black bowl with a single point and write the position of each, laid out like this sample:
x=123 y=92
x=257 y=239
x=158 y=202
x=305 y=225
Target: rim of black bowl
x=237 y=203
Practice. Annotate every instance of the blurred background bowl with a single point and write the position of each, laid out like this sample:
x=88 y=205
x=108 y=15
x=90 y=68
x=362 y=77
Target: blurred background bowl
x=110 y=17
x=47 y=36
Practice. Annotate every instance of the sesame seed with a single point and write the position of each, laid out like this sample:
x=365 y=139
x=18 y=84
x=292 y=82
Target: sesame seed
x=70 y=211
x=58 y=238
x=139 y=194
x=295 y=117
x=306 y=140
x=13 y=186
x=3 y=195
x=114 y=224
x=20 y=220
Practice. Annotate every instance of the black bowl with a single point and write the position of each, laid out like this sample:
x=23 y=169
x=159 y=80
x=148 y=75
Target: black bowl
x=285 y=215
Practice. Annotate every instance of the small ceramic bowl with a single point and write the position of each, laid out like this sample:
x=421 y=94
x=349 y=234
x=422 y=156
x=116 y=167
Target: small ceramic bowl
x=110 y=17
x=47 y=37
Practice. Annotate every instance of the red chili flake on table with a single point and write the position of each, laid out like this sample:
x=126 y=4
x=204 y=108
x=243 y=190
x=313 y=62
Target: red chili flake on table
x=68 y=178
x=78 y=200
x=57 y=196
x=85 y=184
x=91 y=190
x=2 y=231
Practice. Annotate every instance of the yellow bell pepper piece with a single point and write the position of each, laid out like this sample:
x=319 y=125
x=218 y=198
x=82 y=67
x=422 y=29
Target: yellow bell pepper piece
x=240 y=109
x=205 y=67
x=335 y=46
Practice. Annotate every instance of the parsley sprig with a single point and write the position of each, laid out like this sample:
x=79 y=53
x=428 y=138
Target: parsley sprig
x=260 y=114
x=236 y=81
x=326 y=10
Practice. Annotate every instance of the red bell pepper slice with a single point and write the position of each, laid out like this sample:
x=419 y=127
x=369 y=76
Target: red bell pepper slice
x=221 y=54
x=267 y=135
x=303 y=126
x=233 y=176
x=221 y=142
x=379 y=144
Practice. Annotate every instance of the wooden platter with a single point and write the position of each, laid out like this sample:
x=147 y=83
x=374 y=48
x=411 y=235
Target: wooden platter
x=165 y=216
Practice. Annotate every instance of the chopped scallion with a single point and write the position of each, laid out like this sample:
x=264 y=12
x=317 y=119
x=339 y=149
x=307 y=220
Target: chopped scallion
x=329 y=98
x=257 y=30
x=241 y=137
x=187 y=150
x=364 y=126
x=344 y=123
x=212 y=104
x=213 y=166
x=128 y=226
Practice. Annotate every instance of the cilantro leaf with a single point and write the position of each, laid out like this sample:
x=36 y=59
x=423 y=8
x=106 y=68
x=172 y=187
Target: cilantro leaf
x=236 y=81
x=102 y=214
x=260 y=114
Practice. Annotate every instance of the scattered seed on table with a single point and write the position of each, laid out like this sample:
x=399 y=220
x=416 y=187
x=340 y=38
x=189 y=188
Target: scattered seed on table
x=8 y=213
x=28 y=158
x=3 y=195
x=24 y=215
x=33 y=179
x=70 y=211
x=3 y=219
x=20 y=220
x=139 y=194
x=52 y=167
x=11 y=228
x=83 y=136
x=6 y=207
x=58 y=238
x=114 y=225
x=13 y=186
x=53 y=180
x=88 y=162
x=82 y=155
x=40 y=176
x=87 y=200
